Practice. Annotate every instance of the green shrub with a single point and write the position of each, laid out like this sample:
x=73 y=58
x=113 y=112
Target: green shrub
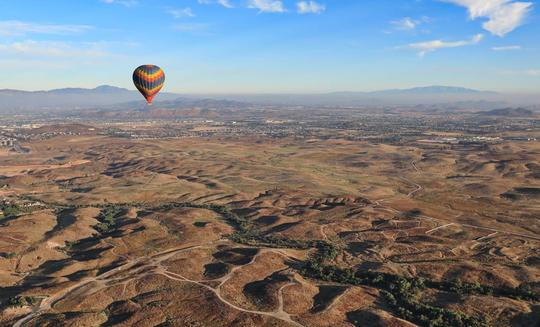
x=20 y=301
x=10 y=210
x=107 y=218
x=200 y=224
x=10 y=255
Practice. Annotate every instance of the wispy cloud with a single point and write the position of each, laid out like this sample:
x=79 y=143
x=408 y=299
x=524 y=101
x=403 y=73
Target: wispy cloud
x=272 y=6
x=406 y=24
x=126 y=3
x=14 y=27
x=181 y=13
x=190 y=27
x=533 y=72
x=52 y=49
x=224 y=3
x=503 y=16
x=409 y=23
x=430 y=46
x=507 y=48
x=310 y=7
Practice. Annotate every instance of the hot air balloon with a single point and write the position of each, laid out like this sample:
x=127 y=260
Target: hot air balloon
x=149 y=80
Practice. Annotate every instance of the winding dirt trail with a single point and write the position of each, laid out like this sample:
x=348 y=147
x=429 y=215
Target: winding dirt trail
x=418 y=187
x=323 y=232
x=104 y=280
x=138 y=268
x=278 y=314
x=413 y=164
x=444 y=223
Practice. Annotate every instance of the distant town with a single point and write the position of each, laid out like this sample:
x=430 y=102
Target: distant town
x=390 y=126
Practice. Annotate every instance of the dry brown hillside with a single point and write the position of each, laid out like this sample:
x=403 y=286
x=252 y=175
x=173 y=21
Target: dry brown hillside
x=100 y=231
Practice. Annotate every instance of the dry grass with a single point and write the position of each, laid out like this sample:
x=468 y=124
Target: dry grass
x=444 y=219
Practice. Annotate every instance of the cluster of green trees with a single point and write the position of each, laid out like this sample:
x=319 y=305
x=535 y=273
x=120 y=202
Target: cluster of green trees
x=240 y=223
x=10 y=210
x=400 y=292
x=107 y=218
x=428 y=315
x=326 y=251
x=70 y=246
x=254 y=238
x=522 y=292
x=20 y=301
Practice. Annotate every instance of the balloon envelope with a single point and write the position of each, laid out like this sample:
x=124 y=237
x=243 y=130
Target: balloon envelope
x=149 y=80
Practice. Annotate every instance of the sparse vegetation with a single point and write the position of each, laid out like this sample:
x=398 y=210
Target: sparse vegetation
x=10 y=210
x=69 y=246
x=21 y=301
x=171 y=229
x=9 y=255
x=358 y=235
x=401 y=293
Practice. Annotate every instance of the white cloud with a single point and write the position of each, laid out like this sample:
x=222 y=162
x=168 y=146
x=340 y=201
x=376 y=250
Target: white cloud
x=275 y=6
x=503 y=16
x=52 y=49
x=310 y=7
x=406 y=24
x=430 y=46
x=224 y=3
x=127 y=3
x=180 y=13
x=14 y=27
x=507 y=48
x=533 y=72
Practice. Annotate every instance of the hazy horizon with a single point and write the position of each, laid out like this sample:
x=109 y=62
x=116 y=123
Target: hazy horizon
x=272 y=46
x=202 y=93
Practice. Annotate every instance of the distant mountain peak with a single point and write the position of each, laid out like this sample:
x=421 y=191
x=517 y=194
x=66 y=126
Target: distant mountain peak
x=69 y=98
x=421 y=90
x=445 y=88
x=109 y=88
x=102 y=89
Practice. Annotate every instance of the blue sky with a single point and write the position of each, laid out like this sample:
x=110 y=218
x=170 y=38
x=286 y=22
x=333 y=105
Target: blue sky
x=272 y=46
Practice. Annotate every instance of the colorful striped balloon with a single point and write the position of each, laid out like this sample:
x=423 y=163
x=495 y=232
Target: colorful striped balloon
x=149 y=80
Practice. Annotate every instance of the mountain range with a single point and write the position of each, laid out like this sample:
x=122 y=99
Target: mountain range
x=68 y=98
x=106 y=96
x=436 y=89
